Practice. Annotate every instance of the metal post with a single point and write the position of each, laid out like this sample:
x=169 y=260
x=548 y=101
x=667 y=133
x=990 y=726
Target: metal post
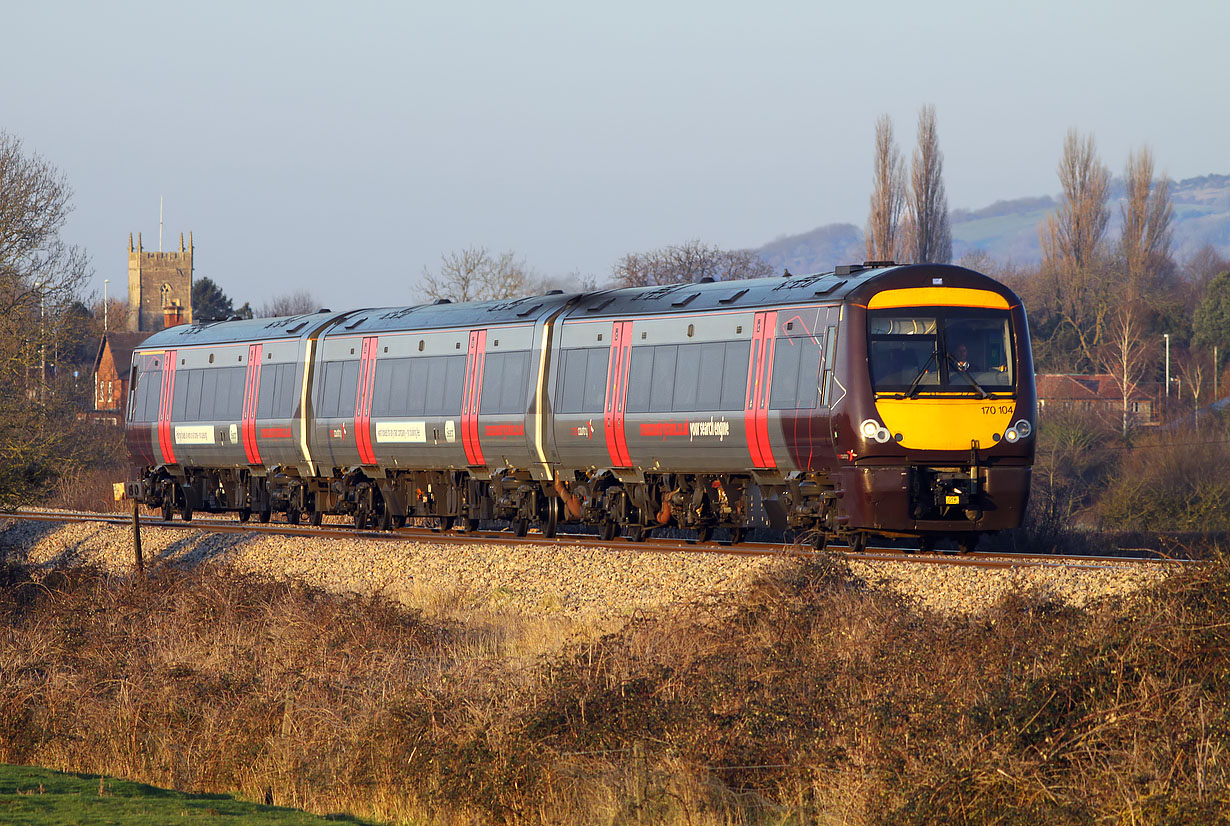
x=1167 y=337
x=136 y=538
x=106 y=281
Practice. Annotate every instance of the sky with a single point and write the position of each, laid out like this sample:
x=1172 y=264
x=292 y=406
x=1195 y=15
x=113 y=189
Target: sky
x=344 y=148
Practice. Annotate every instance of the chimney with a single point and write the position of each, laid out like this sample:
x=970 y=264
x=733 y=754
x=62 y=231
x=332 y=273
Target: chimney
x=172 y=315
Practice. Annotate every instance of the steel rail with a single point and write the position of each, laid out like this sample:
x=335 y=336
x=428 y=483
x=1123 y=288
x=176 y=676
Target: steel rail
x=978 y=559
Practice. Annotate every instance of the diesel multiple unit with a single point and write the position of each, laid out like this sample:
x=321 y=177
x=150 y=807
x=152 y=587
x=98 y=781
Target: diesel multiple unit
x=874 y=400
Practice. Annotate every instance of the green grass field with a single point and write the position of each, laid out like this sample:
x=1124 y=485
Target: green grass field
x=30 y=795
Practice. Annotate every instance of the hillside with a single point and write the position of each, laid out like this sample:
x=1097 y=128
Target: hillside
x=1008 y=230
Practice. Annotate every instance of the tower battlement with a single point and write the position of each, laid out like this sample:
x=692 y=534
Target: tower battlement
x=159 y=286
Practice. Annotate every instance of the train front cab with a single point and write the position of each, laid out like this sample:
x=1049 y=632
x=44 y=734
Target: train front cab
x=938 y=438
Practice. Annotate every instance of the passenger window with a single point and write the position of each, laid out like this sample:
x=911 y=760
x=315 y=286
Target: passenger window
x=503 y=383
x=209 y=394
x=422 y=390
x=179 y=396
x=709 y=388
x=784 y=383
x=640 y=378
x=454 y=385
x=734 y=374
x=687 y=377
x=348 y=388
x=583 y=382
x=594 y=400
x=662 y=386
x=267 y=391
x=286 y=391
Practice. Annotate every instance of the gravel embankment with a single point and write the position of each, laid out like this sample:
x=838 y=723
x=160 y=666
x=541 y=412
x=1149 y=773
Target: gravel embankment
x=543 y=581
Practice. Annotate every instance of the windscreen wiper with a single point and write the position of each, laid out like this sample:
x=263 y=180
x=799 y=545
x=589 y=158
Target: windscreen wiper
x=982 y=394
x=914 y=385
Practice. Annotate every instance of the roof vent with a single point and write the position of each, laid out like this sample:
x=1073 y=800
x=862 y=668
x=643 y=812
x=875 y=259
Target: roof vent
x=706 y=280
x=442 y=301
x=555 y=292
x=848 y=269
x=323 y=310
x=874 y=264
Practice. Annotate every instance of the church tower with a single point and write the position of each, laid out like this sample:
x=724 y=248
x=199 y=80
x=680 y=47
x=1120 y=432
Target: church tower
x=159 y=287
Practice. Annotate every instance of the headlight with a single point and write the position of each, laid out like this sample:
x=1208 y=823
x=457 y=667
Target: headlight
x=1024 y=428
x=1012 y=436
x=871 y=429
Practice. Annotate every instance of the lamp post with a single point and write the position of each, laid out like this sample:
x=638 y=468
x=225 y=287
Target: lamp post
x=1167 y=337
x=106 y=281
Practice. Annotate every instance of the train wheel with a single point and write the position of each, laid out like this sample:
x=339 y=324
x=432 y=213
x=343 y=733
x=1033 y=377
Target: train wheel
x=264 y=516
x=520 y=526
x=926 y=544
x=168 y=506
x=737 y=534
x=185 y=510
x=820 y=540
x=245 y=514
x=858 y=542
x=292 y=516
x=316 y=518
x=967 y=542
x=638 y=533
x=443 y=523
x=360 y=519
x=399 y=521
x=385 y=520
x=550 y=525
x=608 y=531
x=703 y=533
x=467 y=524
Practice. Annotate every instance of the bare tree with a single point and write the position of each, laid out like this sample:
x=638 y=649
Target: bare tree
x=1147 y=216
x=40 y=277
x=1123 y=357
x=1072 y=244
x=689 y=262
x=475 y=274
x=1073 y=237
x=926 y=233
x=1191 y=373
x=298 y=302
x=887 y=196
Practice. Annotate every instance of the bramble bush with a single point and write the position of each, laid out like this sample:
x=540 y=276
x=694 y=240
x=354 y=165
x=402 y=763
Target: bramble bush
x=810 y=697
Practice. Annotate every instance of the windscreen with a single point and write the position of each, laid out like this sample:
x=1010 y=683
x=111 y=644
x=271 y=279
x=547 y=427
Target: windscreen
x=916 y=351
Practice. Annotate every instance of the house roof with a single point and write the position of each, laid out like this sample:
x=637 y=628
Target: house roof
x=1077 y=387
x=122 y=345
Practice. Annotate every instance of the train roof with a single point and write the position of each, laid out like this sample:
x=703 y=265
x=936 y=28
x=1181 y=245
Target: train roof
x=854 y=283
x=239 y=330
x=849 y=283
x=447 y=314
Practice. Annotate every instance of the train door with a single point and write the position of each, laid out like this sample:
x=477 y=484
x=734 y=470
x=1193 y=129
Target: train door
x=759 y=381
x=166 y=440
x=614 y=406
x=476 y=357
x=363 y=400
x=251 y=388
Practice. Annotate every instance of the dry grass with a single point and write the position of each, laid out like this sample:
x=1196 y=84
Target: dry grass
x=815 y=700
x=89 y=489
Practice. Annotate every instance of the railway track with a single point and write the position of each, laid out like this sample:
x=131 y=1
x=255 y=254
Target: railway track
x=977 y=559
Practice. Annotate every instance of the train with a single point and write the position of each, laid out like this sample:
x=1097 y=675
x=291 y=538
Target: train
x=879 y=400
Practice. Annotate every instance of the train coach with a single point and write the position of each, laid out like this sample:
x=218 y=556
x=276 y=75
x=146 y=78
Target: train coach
x=879 y=399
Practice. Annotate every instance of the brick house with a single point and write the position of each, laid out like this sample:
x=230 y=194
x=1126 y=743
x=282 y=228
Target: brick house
x=1097 y=393
x=111 y=375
